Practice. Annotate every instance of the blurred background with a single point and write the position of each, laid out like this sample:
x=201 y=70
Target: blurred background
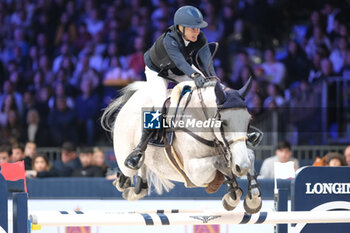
x=62 y=61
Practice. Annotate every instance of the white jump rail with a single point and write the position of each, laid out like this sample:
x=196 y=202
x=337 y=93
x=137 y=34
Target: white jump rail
x=111 y=218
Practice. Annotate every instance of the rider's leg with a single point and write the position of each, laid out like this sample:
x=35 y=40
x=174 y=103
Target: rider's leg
x=136 y=157
x=157 y=87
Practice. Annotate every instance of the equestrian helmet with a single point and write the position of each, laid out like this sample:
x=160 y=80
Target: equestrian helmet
x=189 y=16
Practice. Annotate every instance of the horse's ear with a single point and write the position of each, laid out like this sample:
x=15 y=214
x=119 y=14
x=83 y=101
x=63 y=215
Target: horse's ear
x=245 y=89
x=220 y=94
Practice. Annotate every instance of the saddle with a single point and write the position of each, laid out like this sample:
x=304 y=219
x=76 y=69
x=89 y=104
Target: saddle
x=169 y=111
x=164 y=138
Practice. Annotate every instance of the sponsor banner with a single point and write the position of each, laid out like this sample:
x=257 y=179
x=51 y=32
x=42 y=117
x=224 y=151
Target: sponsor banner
x=322 y=188
x=206 y=229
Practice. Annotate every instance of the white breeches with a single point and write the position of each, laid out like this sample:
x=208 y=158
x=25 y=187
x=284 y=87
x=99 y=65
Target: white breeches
x=158 y=86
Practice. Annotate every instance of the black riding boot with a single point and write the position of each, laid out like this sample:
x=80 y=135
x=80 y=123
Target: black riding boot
x=136 y=157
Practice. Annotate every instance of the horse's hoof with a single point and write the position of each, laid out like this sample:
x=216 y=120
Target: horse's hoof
x=130 y=195
x=252 y=206
x=122 y=182
x=235 y=194
x=228 y=203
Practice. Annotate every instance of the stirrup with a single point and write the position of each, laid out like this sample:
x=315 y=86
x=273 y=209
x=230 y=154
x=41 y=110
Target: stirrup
x=135 y=160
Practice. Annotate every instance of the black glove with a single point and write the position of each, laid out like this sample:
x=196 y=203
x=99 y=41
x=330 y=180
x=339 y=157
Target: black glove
x=199 y=80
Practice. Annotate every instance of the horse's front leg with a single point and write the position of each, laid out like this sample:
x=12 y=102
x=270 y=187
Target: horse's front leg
x=252 y=201
x=201 y=171
x=231 y=199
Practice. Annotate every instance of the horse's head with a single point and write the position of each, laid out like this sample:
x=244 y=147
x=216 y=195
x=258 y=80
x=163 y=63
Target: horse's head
x=232 y=111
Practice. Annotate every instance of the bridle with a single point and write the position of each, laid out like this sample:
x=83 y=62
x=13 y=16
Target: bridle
x=222 y=147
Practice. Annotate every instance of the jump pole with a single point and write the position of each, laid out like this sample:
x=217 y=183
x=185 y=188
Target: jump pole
x=57 y=218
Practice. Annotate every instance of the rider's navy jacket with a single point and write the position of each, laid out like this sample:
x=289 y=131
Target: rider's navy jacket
x=170 y=53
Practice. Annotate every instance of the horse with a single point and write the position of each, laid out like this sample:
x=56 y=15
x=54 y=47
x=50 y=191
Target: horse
x=203 y=154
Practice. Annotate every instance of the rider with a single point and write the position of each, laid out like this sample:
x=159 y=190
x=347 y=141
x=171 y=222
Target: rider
x=170 y=59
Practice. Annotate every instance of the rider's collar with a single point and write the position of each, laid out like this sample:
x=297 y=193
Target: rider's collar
x=186 y=41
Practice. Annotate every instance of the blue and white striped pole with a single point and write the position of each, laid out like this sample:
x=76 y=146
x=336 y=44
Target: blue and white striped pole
x=105 y=218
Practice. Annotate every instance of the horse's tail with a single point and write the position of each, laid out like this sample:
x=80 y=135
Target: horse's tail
x=111 y=111
x=158 y=182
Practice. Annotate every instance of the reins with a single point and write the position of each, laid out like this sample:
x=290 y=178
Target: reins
x=222 y=147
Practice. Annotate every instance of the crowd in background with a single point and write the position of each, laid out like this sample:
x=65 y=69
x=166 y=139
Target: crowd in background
x=85 y=162
x=61 y=61
x=92 y=162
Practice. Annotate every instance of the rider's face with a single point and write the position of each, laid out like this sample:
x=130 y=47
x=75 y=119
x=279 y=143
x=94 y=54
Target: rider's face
x=191 y=34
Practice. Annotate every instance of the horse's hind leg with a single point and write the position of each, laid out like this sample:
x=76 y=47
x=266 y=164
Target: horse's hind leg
x=252 y=202
x=122 y=182
x=141 y=186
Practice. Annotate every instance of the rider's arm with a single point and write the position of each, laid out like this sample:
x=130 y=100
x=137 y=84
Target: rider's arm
x=204 y=56
x=176 y=56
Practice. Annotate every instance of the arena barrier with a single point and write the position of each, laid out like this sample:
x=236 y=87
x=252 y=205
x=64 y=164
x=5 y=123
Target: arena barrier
x=304 y=187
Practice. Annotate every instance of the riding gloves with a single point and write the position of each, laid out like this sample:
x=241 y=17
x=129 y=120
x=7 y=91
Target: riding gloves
x=199 y=80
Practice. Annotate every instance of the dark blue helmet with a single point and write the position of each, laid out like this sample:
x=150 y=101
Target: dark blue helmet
x=189 y=16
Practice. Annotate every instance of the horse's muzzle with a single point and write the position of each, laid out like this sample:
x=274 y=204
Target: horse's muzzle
x=242 y=169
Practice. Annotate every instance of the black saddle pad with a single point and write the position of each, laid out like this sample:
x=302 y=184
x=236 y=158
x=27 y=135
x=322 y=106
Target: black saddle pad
x=158 y=140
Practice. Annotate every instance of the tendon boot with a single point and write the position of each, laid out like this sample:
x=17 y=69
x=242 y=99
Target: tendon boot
x=136 y=158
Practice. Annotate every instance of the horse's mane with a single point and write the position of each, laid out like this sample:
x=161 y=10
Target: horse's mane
x=111 y=111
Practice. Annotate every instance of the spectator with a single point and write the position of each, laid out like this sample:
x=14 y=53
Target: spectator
x=9 y=90
x=11 y=132
x=316 y=20
x=28 y=104
x=347 y=155
x=41 y=168
x=93 y=23
x=326 y=70
x=98 y=159
x=315 y=69
x=239 y=62
x=274 y=71
x=62 y=122
x=35 y=131
x=29 y=152
x=60 y=92
x=5 y=154
x=17 y=153
x=283 y=155
x=65 y=26
x=8 y=105
x=45 y=69
x=317 y=40
x=83 y=36
x=330 y=12
x=69 y=161
x=82 y=67
x=338 y=55
x=215 y=29
x=87 y=168
x=64 y=52
x=297 y=64
x=136 y=62
x=42 y=105
x=346 y=68
x=87 y=109
x=274 y=94
x=334 y=159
